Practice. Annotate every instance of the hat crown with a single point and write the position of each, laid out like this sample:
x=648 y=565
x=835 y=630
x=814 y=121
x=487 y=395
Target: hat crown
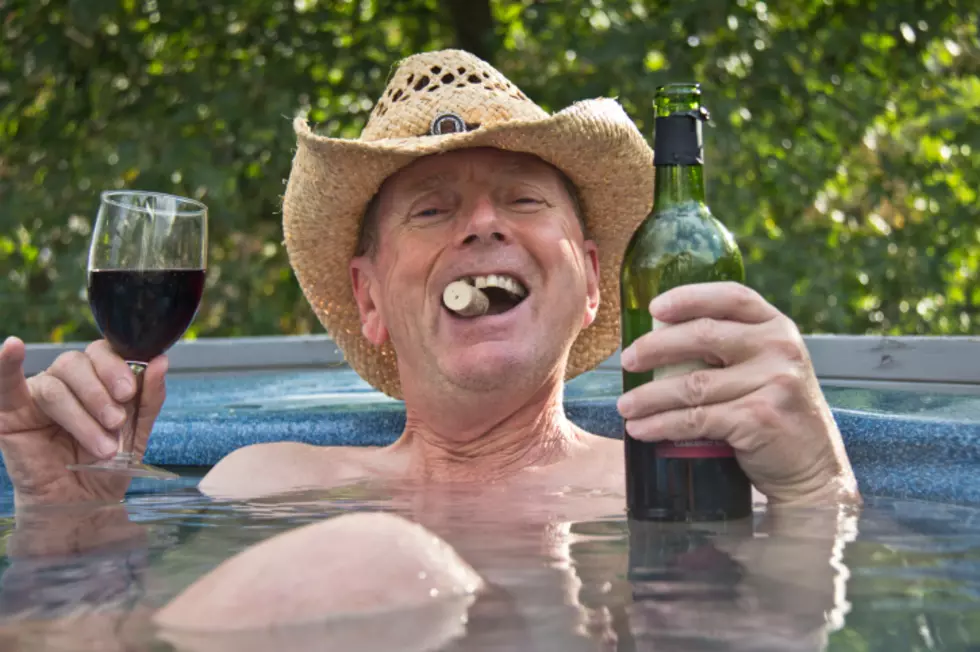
x=426 y=88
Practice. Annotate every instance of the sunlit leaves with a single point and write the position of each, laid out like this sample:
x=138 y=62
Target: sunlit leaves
x=843 y=147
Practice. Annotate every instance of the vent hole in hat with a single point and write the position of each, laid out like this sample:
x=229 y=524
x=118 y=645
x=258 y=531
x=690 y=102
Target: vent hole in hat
x=433 y=87
x=411 y=78
x=435 y=70
x=398 y=94
x=460 y=85
x=448 y=78
x=473 y=79
x=422 y=83
x=461 y=70
x=486 y=75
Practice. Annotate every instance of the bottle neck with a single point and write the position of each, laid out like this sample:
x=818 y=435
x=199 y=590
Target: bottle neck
x=677 y=184
x=678 y=159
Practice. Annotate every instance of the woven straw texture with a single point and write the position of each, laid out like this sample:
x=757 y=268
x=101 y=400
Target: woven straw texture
x=332 y=180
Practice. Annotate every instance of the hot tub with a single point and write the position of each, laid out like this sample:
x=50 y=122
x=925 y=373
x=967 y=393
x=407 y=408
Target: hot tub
x=903 y=573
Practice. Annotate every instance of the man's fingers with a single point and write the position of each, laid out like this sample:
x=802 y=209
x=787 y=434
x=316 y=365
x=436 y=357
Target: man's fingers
x=112 y=370
x=77 y=372
x=714 y=421
x=720 y=300
x=13 y=386
x=718 y=343
x=61 y=405
x=701 y=387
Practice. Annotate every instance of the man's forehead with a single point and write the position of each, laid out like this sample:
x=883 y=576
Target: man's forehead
x=438 y=169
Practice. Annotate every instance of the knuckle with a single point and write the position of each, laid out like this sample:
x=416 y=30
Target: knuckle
x=743 y=294
x=695 y=419
x=705 y=332
x=787 y=378
x=49 y=389
x=68 y=360
x=696 y=387
x=788 y=342
x=791 y=349
x=102 y=356
x=763 y=413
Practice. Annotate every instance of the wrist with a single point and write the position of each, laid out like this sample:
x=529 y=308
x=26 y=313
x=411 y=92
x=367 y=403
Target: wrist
x=837 y=490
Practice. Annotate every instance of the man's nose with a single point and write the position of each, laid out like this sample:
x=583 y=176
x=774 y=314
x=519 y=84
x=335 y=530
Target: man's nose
x=483 y=224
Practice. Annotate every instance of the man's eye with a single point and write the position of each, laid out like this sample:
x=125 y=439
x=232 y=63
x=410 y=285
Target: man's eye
x=429 y=212
x=527 y=201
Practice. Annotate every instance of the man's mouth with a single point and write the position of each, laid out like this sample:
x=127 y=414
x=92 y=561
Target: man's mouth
x=491 y=294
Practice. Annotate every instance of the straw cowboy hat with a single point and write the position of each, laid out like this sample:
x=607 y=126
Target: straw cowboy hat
x=441 y=101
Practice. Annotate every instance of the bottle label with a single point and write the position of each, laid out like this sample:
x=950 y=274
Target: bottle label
x=695 y=448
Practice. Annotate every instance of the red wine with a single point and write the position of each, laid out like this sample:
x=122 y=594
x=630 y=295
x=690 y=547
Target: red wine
x=143 y=312
x=684 y=489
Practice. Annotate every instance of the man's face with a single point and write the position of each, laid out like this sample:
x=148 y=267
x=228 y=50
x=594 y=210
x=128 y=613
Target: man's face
x=472 y=214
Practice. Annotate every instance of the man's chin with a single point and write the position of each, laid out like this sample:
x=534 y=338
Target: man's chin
x=491 y=372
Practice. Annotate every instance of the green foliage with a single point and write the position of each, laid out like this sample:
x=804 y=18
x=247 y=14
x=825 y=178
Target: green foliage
x=842 y=149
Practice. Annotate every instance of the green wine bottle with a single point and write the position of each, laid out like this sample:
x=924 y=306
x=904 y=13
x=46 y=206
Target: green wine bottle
x=679 y=243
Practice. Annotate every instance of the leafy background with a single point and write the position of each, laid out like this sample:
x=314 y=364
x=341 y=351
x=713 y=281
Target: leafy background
x=843 y=149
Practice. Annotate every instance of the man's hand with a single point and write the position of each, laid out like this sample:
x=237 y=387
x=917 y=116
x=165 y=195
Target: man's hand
x=67 y=415
x=761 y=395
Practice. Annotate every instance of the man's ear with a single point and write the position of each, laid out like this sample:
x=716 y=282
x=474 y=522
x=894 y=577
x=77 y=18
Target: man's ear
x=592 y=282
x=362 y=284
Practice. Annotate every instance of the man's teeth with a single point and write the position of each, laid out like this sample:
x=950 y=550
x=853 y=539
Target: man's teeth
x=501 y=281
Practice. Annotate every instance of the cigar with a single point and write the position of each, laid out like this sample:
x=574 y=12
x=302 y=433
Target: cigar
x=465 y=300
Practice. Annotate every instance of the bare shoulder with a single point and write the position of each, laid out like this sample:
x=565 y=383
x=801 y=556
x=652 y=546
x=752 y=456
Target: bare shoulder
x=265 y=469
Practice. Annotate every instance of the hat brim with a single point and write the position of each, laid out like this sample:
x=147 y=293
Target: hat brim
x=332 y=180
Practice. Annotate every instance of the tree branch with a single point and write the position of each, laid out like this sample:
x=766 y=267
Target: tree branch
x=473 y=23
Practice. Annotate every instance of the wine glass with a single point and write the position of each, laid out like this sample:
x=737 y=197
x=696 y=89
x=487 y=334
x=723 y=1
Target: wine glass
x=146 y=269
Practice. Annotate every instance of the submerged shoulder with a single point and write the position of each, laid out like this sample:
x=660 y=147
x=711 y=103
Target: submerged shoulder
x=264 y=469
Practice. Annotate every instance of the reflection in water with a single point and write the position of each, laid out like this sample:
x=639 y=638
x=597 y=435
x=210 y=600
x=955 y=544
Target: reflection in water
x=773 y=584
x=566 y=572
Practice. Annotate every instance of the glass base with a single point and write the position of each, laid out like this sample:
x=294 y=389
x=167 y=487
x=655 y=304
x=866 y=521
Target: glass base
x=127 y=468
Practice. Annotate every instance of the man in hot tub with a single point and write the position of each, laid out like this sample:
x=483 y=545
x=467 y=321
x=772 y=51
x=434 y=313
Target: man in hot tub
x=468 y=179
x=459 y=176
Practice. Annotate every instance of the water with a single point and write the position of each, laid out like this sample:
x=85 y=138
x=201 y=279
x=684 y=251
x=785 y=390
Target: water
x=568 y=573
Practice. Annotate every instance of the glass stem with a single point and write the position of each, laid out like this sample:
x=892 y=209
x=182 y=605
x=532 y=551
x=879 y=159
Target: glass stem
x=127 y=434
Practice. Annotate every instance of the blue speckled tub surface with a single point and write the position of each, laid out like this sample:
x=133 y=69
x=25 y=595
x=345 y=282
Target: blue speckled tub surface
x=901 y=444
